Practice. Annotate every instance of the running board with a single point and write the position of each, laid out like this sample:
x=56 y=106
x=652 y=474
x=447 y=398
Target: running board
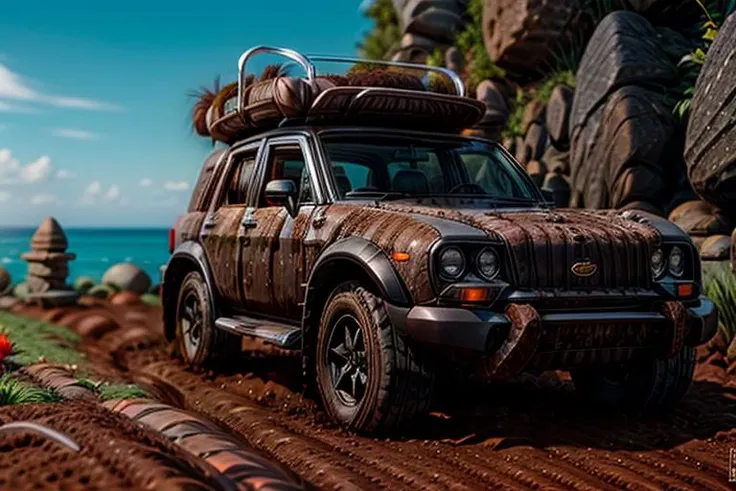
x=282 y=335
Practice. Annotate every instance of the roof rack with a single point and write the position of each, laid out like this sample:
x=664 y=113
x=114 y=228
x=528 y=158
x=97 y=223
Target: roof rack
x=306 y=62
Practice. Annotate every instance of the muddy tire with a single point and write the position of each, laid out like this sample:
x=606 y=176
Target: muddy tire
x=198 y=341
x=649 y=385
x=368 y=377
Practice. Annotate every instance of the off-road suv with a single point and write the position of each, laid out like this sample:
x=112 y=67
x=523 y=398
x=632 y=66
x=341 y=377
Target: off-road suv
x=329 y=224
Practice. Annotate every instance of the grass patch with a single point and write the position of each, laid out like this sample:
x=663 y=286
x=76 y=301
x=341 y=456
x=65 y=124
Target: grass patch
x=720 y=287
x=106 y=391
x=470 y=40
x=13 y=391
x=35 y=339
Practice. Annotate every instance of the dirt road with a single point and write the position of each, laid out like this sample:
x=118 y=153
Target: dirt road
x=531 y=433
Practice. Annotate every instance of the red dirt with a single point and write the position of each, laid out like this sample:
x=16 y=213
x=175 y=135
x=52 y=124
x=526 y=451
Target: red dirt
x=533 y=432
x=115 y=453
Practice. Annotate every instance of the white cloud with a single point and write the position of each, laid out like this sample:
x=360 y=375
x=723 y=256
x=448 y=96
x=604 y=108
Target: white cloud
x=6 y=107
x=42 y=199
x=113 y=193
x=63 y=174
x=74 y=134
x=145 y=182
x=94 y=188
x=176 y=185
x=38 y=170
x=13 y=87
x=5 y=196
x=11 y=172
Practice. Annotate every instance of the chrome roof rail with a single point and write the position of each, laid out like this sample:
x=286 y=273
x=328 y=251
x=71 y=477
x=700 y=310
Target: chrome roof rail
x=454 y=78
x=306 y=62
x=302 y=60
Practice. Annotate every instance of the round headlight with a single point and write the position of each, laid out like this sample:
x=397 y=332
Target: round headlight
x=452 y=263
x=657 y=263
x=676 y=262
x=487 y=263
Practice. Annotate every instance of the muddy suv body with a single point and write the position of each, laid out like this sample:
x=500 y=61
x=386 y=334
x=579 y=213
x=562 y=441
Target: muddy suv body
x=385 y=254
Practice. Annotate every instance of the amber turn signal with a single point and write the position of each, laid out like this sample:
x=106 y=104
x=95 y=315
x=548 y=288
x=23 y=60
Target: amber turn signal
x=400 y=257
x=685 y=290
x=474 y=294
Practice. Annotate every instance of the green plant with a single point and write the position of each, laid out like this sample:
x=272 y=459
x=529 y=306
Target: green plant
x=385 y=38
x=714 y=13
x=120 y=391
x=13 y=391
x=470 y=40
x=516 y=117
x=720 y=287
x=34 y=339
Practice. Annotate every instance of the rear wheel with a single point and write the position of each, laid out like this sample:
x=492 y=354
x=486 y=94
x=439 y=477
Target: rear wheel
x=368 y=377
x=650 y=384
x=198 y=340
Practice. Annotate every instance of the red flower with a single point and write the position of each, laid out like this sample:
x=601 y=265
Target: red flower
x=6 y=347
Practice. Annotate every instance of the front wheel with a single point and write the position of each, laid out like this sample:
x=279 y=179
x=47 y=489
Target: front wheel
x=368 y=377
x=198 y=341
x=649 y=384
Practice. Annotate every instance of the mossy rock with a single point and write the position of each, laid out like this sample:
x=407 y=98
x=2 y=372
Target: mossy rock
x=22 y=290
x=151 y=299
x=127 y=277
x=102 y=291
x=83 y=284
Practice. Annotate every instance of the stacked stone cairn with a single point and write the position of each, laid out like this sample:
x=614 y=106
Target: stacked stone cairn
x=48 y=266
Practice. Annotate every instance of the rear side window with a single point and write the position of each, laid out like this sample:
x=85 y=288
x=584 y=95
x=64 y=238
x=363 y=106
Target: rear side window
x=238 y=182
x=198 y=201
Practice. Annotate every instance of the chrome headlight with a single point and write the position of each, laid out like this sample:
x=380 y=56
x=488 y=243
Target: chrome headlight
x=676 y=263
x=452 y=263
x=657 y=263
x=487 y=264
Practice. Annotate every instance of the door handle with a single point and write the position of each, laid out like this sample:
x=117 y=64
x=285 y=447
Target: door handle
x=248 y=221
x=209 y=222
x=319 y=220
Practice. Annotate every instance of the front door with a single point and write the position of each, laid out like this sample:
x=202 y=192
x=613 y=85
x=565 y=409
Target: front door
x=273 y=241
x=219 y=234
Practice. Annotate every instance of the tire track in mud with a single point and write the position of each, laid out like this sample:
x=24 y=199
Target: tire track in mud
x=520 y=444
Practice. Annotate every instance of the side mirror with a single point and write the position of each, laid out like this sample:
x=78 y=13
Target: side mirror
x=282 y=192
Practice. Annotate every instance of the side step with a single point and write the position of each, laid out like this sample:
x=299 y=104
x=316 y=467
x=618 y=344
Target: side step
x=282 y=335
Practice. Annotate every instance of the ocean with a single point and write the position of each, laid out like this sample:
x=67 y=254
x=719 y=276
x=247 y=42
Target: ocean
x=96 y=248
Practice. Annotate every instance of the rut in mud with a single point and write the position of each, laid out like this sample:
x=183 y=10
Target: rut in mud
x=533 y=432
x=115 y=453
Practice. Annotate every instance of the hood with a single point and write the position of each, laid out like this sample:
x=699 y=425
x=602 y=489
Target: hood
x=544 y=246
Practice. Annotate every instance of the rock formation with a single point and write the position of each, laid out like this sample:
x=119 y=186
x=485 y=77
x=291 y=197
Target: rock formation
x=710 y=148
x=48 y=265
x=521 y=36
x=127 y=277
x=625 y=147
x=427 y=25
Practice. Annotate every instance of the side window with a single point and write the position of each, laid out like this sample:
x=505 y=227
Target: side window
x=236 y=187
x=350 y=176
x=287 y=162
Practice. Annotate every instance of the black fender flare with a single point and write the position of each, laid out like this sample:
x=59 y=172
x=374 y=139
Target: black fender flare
x=371 y=259
x=193 y=255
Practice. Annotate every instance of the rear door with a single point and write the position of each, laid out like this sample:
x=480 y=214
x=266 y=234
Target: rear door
x=219 y=234
x=273 y=256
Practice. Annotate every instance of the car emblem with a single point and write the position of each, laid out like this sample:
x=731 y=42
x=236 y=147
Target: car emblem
x=584 y=268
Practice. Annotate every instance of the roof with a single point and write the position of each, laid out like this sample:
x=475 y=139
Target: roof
x=372 y=93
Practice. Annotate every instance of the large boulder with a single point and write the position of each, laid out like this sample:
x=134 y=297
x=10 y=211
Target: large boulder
x=710 y=148
x=426 y=25
x=523 y=36
x=625 y=143
x=558 y=116
x=127 y=277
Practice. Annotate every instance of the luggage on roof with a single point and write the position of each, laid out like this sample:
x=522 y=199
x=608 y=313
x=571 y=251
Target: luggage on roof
x=371 y=93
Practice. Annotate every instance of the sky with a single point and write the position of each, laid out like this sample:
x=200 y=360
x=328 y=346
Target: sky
x=95 y=99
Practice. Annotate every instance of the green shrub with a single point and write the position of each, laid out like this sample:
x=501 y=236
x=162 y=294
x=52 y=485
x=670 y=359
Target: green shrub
x=35 y=339
x=385 y=38
x=13 y=391
x=720 y=287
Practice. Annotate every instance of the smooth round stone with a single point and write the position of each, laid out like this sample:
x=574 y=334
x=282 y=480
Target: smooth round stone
x=127 y=277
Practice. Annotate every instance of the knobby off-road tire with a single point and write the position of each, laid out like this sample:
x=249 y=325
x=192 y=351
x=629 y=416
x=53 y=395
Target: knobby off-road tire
x=198 y=341
x=649 y=385
x=397 y=386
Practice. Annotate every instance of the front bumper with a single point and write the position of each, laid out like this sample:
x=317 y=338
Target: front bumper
x=484 y=331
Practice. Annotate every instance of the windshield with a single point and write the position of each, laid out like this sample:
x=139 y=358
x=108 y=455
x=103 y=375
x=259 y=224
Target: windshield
x=395 y=168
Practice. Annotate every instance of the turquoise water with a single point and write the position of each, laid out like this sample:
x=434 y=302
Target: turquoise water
x=96 y=249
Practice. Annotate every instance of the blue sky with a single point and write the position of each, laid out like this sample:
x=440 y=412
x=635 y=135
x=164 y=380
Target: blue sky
x=94 y=105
